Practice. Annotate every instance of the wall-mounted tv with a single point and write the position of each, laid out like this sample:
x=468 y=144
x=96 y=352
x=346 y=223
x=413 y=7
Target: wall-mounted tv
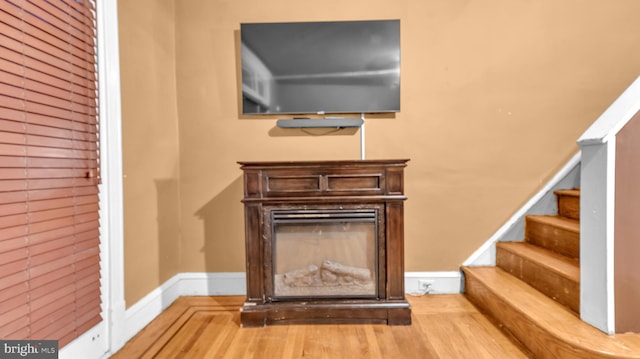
x=320 y=67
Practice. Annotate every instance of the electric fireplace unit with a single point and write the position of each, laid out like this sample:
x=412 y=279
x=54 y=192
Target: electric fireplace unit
x=324 y=242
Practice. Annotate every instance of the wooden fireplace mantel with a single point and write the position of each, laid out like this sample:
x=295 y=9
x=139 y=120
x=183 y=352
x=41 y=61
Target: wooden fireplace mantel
x=377 y=185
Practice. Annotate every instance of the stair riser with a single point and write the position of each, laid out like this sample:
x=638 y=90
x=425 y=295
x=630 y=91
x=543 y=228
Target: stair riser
x=557 y=239
x=563 y=290
x=569 y=206
x=536 y=339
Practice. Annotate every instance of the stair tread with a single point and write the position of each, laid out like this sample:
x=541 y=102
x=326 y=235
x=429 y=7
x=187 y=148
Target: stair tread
x=559 y=234
x=563 y=265
x=558 y=221
x=556 y=319
x=568 y=202
x=574 y=192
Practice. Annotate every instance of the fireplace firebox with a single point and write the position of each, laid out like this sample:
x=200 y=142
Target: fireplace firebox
x=324 y=242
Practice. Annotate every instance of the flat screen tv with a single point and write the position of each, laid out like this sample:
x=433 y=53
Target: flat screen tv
x=334 y=67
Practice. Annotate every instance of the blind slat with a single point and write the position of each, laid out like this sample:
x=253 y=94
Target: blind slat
x=38 y=92
x=11 y=52
x=45 y=194
x=14 y=279
x=41 y=281
x=42 y=120
x=61 y=232
x=92 y=318
x=49 y=246
x=50 y=308
x=13 y=103
x=45 y=141
x=44 y=173
x=12 y=317
x=8 y=244
x=33 y=26
x=40 y=28
x=62 y=54
x=64 y=289
x=20 y=289
x=42 y=53
x=41 y=162
x=12 y=236
x=37 y=184
x=12 y=64
x=44 y=11
x=14 y=265
x=33 y=151
x=15 y=216
x=14 y=220
x=46 y=324
x=14 y=301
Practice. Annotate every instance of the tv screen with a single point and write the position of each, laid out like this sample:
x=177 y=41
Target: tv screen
x=320 y=67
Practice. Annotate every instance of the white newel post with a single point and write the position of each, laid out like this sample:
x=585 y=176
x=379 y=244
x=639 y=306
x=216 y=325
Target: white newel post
x=596 y=235
x=597 y=205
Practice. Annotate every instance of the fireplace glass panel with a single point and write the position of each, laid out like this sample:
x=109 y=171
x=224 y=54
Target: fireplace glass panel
x=325 y=254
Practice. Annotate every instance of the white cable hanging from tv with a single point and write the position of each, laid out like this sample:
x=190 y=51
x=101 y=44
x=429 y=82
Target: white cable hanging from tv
x=362 y=136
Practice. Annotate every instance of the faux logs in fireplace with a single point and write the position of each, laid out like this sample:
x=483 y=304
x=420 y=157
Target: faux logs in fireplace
x=324 y=242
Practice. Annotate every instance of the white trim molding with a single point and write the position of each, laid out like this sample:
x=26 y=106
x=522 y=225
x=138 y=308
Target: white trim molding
x=543 y=202
x=183 y=284
x=219 y=284
x=614 y=117
x=108 y=336
x=597 y=205
x=596 y=236
x=439 y=282
x=111 y=190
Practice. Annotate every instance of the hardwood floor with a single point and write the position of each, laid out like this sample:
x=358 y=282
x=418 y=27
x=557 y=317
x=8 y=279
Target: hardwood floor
x=444 y=326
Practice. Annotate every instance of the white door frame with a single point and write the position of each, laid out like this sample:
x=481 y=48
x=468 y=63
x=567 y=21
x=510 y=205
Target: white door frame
x=107 y=337
x=111 y=191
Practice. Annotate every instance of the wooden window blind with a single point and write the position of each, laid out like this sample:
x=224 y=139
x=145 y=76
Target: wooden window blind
x=49 y=170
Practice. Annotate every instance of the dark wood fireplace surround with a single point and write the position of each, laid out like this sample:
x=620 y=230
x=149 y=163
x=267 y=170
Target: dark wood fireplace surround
x=338 y=185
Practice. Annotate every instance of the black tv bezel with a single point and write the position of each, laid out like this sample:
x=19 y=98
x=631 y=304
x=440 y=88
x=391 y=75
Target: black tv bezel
x=330 y=112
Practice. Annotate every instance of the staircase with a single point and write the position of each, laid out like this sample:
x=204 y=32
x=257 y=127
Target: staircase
x=533 y=292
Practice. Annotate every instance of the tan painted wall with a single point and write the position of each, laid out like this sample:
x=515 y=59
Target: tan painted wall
x=494 y=95
x=150 y=145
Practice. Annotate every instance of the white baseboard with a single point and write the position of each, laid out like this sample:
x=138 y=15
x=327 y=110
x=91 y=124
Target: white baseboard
x=213 y=284
x=439 y=282
x=91 y=344
x=148 y=308
x=182 y=284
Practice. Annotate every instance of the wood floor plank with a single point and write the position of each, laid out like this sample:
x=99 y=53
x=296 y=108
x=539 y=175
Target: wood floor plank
x=463 y=334
x=244 y=343
x=295 y=342
x=141 y=343
x=373 y=347
x=272 y=340
x=386 y=343
x=168 y=336
x=192 y=329
x=414 y=338
x=215 y=341
x=444 y=326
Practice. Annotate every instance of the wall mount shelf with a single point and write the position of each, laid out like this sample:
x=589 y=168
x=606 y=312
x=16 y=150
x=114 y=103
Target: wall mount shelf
x=320 y=123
